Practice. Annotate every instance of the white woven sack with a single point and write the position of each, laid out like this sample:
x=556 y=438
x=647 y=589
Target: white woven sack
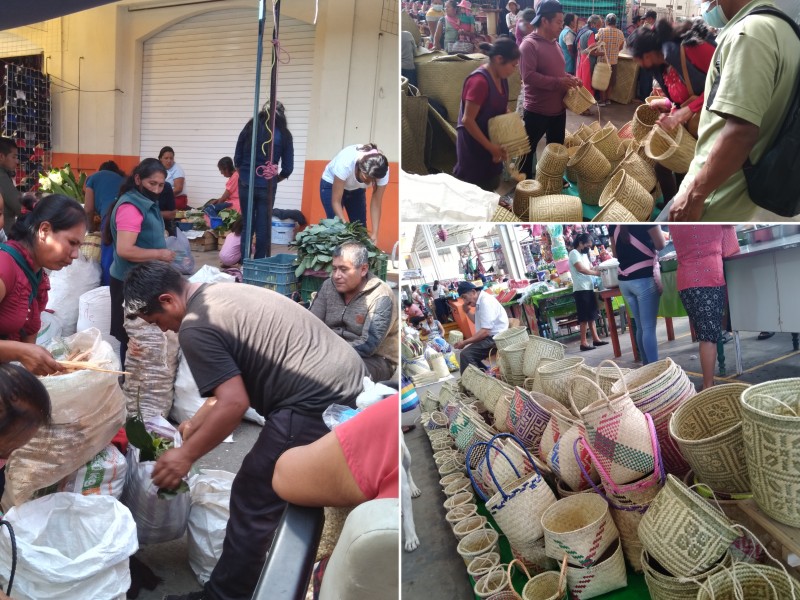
x=208 y=518
x=105 y=475
x=152 y=369
x=94 y=310
x=66 y=288
x=187 y=399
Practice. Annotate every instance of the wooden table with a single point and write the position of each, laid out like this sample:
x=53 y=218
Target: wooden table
x=607 y=295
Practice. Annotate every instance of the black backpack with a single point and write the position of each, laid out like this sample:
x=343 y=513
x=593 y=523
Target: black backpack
x=774 y=182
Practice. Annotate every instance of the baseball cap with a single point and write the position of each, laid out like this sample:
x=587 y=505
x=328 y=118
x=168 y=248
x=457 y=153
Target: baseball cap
x=547 y=8
x=466 y=286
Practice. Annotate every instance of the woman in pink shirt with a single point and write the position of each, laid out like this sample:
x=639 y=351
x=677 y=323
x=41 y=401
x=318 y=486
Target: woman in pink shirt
x=701 y=283
x=230 y=197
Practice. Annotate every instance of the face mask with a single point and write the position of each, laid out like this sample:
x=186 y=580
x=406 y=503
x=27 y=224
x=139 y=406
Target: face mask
x=585 y=250
x=714 y=17
x=148 y=194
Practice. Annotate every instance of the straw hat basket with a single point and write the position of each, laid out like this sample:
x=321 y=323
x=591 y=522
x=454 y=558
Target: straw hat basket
x=460 y=512
x=442 y=79
x=501 y=412
x=589 y=162
x=466 y=526
x=672 y=149
x=512 y=335
x=508 y=130
x=606 y=575
x=643 y=120
x=708 y=431
x=560 y=208
x=570 y=171
x=752 y=581
x=557 y=451
x=770 y=412
x=554 y=376
x=413 y=129
x=663 y=586
x=626 y=131
x=590 y=191
x=529 y=415
x=503 y=215
x=477 y=543
x=606 y=141
x=579 y=100
x=638 y=169
x=454 y=337
x=496 y=580
x=480 y=565
x=601 y=76
x=458 y=500
x=615 y=212
x=659 y=389
x=539 y=348
x=553 y=160
x=627 y=191
x=580 y=527
x=525 y=190
x=683 y=532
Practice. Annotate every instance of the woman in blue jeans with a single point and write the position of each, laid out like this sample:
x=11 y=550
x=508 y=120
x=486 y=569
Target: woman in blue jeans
x=636 y=247
x=345 y=180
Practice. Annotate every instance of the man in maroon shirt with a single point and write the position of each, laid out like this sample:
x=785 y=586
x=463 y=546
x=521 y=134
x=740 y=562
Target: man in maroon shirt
x=545 y=80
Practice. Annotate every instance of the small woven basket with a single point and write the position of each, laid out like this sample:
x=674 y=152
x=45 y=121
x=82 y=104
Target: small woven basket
x=559 y=208
x=550 y=184
x=601 y=76
x=91 y=247
x=508 y=130
x=466 y=526
x=525 y=190
x=674 y=150
x=580 y=527
x=458 y=500
x=770 y=412
x=545 y=586
x=458 y=486
x=539 y=348
x=496 y=581
x=553 y=160
x=614 y=212
x=459 y=513
x=437 y=420
x=454 y=337
x=751 y=581
x=606 y=141
x=554 y=376
x=663 y=586
x=708 y=431
x=571 y=140
x=638 y=169
x=477 y=543
x=503 y=215
x=511 y=336
x=628 y=192
x=584 y=132
x=481 y=565
x=606 y=575
x=514 y=356
x=579 y=100
x=643 y=120
x=683 y=532
x=590 y=163
x=594 y=126
x=590 y=191
x=448 y=479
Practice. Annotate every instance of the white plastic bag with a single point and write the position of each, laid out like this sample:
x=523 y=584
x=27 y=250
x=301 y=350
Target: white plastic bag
x=104 y=475
x=66 y=288
x=157 y=520
x=150 y=384
x=88 y=408
x=179 y=244
x=187 y=399
x=209 y=274
x=442 y=198
x=50 y=329
x=208 y=518
x=372 y=393
x=70 y=546
x=94 y=310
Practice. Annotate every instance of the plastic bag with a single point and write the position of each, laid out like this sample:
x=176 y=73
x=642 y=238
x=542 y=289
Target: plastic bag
x=187 y=399
x=208 y=518
x=70 y=546
x=50 y=329
x=105 y=475
x=336 y=414
x=451 y=361
x=372 y=393
x=66 y=288
x=157 y=520
x=88 y=408
x=209 y=274
x=179 y=244
x=94 y=310
x=152 y=369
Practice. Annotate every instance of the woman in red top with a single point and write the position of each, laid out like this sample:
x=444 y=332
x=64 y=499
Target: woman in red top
x=49 y=236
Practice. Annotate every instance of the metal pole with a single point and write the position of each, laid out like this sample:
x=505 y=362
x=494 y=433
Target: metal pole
x=273 y=93
x=254 y=141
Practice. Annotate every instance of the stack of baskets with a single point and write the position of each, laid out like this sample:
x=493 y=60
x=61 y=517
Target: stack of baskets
x=591 y=167
x=508 y=131
x=550 y=168
x=524 y=192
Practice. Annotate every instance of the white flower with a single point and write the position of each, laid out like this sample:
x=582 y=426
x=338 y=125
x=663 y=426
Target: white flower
x=44 y=183
x=55 y=177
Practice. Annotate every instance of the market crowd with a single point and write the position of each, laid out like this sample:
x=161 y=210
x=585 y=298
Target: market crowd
x=696 y=68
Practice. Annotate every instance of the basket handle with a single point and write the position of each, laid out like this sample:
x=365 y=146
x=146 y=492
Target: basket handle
x=573 y=407
x=562 y=577
x=489 y=445
x=781 y=402
x=489 y=462
x=524 y=569
x=619 y=372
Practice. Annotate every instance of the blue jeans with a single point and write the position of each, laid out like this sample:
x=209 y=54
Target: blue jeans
x=354 y=202
x=260 y=198
x=642 y=298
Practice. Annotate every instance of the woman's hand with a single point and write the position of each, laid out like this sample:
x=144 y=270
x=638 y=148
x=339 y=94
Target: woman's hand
x=498 y=153
x=661 y=105
x=166 y=255
x=37 y=360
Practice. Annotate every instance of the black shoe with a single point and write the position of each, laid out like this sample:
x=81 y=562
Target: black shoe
x=765 y=335
x=201 y=595
x=601 y=343
x=586 y=348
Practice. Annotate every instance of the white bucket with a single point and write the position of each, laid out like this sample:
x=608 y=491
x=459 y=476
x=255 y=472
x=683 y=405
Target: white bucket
x=283 y=231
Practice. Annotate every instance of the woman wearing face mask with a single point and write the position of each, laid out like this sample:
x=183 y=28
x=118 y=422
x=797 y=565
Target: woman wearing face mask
x=136 y=231
x=583 y=289
x=484 y=95
x=458 y=25
x=48 y=236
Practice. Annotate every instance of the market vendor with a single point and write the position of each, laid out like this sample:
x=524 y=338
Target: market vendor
x=49 y=236
x=361 y=309
x=175 y=176
x=583 y=289
x=490 y=318
x=246 y=347
x=102 y=189
x=230 y=197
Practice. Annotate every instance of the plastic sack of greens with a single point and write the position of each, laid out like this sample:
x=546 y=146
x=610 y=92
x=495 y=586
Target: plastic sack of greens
x=179 y=244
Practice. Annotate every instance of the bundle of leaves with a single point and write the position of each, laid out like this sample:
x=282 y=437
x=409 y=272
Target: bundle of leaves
x=62 y=181
x=315 y=245
x=151 y=447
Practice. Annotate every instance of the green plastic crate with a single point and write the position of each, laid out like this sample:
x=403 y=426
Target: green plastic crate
x=274 y=273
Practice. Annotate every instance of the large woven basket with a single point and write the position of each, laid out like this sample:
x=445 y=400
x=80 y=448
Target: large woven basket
x=752 y=581
x=674 y=150
x=442 y=79
x=627 y=507
x=606 y=575
x=771 y=431
x=683 y=532
x=512 y=335
x=550 y=184
x=559 y=208
x=579 y=100
x=590 y=163
x=663 y=586
x=508 y=130
x=539 y=348
x=553 y=160
x=708 y=431
x=628 y=192
x=591 y=191
x=515 y=356
x=580 y=527
x=601 y=76
x=570 y=171
x=571 y=465
x=503 y=215
x=554 y=376
x=606 y=141
x=529 y=415
x=643 y=120
x=615 y=212
x=413 y=130
x=525 y=190
x=477 y=543
x=638 y=169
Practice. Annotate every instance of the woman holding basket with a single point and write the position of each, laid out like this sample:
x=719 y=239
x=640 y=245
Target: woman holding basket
x=588 y=51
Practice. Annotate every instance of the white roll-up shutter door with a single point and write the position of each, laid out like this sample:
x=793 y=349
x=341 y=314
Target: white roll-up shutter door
x=197 y=94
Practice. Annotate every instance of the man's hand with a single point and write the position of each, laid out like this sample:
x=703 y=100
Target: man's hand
x=459 y=345
x=569 y=82
x=37 y=360
x=173 y=466
x=683 y=209
x=186 y=429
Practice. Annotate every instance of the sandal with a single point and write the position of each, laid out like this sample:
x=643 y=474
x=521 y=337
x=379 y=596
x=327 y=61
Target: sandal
x=601 y=343
x=586 y=348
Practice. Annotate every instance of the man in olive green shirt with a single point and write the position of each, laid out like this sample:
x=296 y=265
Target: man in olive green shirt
x=9 y=195
x=749 y=88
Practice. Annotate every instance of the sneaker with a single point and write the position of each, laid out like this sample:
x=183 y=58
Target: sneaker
x=201 y=595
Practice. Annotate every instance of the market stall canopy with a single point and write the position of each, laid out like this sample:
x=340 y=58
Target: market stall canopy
x=16 y=13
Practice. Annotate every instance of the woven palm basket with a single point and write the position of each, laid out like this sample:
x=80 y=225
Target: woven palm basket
x=454 y=337
x=579 y=100
x=442 y=79
x=508 y=130
x=570 y=140
x=628 y=192
x=595 y=126
x=638 y=169
x=525 y=190
x=607 y=142
x=550 y=184
x=512 y=335
x=745 y=580
x=589 y=162
x=664 y=586
x=495 y=582
x=559 y=208
x=553 y=160
x=615 y=212
x=674 y=149
x=622 y=150
x=626 y=131
x=590 y=191
x=91 y=247
x=643 y=120
x=580 y=526
x=478 y=543
x=570 y=172
x=584 y=132
x=545 y=586
x=604 y=576
x=503 y=215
